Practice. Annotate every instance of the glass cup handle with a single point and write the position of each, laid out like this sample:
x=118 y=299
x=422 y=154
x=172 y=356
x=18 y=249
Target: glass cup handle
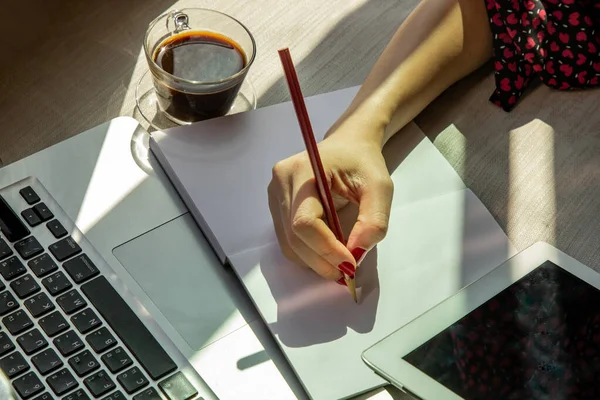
x=179 y=20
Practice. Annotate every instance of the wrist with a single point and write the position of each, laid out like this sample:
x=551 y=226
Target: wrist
x=361 y=124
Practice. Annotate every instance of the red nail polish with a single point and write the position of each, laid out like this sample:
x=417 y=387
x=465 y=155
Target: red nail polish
x=342 y=281
x=358 y=254
x=347 y=269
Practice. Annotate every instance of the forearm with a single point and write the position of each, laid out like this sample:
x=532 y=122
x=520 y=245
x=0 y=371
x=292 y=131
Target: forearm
x=439 y=43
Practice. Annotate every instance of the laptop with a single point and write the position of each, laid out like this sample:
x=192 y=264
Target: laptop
x=108 y=290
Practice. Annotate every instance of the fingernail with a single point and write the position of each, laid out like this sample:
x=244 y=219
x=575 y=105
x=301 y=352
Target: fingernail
x=342 y=281
x=347 y=268
x=359 y=254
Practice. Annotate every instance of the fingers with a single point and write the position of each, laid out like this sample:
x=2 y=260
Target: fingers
x=373 y=216
x=314 y=261
x=303 y=236
x=307 y=225
x=296 y=251
x=307 y=240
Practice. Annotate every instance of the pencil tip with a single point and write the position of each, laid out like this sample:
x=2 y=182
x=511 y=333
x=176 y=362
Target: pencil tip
x=352 y=287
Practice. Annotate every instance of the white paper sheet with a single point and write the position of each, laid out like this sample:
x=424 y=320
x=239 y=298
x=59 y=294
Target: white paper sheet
x=222 y=167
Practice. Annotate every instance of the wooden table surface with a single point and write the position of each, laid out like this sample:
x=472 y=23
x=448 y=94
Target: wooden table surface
x=67 y=66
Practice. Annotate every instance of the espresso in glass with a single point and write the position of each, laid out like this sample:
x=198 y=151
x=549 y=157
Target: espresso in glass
x=199 y=56
x=198 y=60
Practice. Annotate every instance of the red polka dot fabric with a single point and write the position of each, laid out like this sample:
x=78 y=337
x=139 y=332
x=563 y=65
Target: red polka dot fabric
x=557 y=41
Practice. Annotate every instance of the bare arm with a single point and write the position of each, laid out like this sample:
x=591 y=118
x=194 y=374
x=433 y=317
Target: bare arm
x=440 y=42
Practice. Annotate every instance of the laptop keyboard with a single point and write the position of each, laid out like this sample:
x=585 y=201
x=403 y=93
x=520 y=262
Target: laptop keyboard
x=65 y=332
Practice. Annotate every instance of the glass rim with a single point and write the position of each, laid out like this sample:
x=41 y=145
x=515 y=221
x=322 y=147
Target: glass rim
x=150 y=59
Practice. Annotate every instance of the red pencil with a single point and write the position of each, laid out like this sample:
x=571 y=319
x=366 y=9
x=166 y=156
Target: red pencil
x=313 y=153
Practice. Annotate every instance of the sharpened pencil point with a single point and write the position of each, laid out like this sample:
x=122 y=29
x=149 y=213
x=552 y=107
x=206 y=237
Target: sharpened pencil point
x=352 y=287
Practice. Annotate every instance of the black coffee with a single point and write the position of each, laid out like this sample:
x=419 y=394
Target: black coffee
x=203 y=57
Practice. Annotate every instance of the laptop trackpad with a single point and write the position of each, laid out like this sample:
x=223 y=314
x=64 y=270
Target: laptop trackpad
x=181 y=274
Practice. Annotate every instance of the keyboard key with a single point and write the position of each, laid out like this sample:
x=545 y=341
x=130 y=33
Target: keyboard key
x=10 y=223
x=17 y=322
x=42 y=265
x=12 y=268
x=29 y=247
x=28 y=385
x=65 y=248
x=54 y=324
x=177 y=387
x=43 y=212
x=71 y=301
x=132 y=380
x=83 y=363
x=56 y=228
x=13 y=364
x=118 y=395
x=32 y=341
x=62 y=381
x=47 y=361
x=68 y=343
x=81 y=268
x=29 y=195
x=57 y=283
x=101 y=340
x=25 y=286
x=148 y=394
x=5 y=250
x=99 y=384
x=79 y=394
x=39 y=305
x=116 y=360
x=129 y=328
x=6 y=345
x=31 y=217
x=8 y=303
x=86 y=320
x=44 y=396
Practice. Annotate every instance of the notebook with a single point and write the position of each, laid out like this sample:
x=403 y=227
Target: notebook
x=441 y=237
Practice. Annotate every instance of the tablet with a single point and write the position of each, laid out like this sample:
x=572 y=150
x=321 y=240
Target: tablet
x=529 y=329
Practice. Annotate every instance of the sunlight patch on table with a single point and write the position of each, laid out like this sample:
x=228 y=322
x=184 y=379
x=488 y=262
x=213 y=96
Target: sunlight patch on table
x=531 y=208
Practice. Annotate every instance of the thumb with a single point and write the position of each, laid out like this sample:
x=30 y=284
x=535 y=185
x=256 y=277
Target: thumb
x=371 y=226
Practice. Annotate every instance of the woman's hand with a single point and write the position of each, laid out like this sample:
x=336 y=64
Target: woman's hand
x=356 y=172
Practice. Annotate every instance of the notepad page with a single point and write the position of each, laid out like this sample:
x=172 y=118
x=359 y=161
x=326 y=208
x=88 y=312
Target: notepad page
x=222 y=167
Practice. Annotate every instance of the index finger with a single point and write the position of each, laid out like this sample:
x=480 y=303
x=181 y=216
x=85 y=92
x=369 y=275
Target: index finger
x=308 y=225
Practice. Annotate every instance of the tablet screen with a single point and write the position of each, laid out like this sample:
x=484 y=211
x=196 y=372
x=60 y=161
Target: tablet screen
x=537 y=339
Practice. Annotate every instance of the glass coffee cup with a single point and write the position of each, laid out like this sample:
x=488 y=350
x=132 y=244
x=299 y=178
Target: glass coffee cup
x=198 y=59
